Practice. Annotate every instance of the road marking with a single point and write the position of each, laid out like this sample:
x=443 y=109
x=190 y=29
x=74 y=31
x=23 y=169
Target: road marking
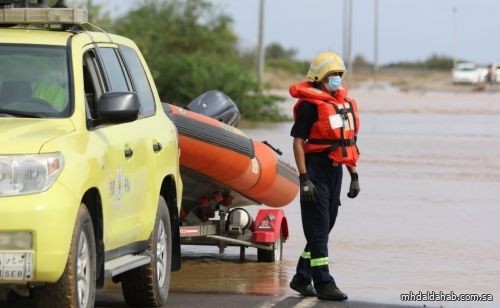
x=270 y=303
x=302 y=302
x=307 y=302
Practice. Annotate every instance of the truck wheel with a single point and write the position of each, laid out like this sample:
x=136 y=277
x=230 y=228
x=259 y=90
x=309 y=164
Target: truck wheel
x=148 y=285
x=272 y=255
x=77 y=286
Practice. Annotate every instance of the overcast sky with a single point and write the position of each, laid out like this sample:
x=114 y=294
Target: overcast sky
x=408 y=29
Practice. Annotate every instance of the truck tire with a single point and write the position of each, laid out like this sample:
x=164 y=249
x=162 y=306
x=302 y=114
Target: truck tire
x=272 y=255
x=148 y=285
x=77 y=286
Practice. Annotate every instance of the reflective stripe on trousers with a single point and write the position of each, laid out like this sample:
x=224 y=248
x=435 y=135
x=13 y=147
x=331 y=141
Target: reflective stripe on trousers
x=319 y=261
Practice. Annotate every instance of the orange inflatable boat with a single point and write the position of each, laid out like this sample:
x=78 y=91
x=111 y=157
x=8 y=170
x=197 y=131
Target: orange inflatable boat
x=217 y=158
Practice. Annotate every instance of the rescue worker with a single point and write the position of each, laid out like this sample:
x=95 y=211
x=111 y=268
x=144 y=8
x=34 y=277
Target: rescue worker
x=325 y=133
x=52 y=93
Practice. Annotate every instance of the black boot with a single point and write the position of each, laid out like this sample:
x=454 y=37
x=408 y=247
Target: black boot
x=330 y=292
x=303 y=289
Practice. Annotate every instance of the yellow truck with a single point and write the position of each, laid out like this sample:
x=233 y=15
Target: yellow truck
x=89 y=163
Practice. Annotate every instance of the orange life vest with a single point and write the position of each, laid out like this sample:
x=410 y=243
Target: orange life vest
x=337 y=126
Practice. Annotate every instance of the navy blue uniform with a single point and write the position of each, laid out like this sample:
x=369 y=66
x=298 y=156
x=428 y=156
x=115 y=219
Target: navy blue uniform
x=318 y=218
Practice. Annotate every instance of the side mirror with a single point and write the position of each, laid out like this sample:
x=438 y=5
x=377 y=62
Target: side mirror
x=118 y=107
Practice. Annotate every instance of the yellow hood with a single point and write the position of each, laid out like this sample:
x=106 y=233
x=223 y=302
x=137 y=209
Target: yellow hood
x=27 y=136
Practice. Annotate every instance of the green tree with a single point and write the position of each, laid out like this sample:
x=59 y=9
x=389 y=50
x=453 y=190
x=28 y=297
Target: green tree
x=190 y=49
x=439 y=62
x=434 y=62
x=360 y=62
x=280 y=58
x=276 y=51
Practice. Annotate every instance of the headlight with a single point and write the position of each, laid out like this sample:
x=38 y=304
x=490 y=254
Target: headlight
x=28 y=174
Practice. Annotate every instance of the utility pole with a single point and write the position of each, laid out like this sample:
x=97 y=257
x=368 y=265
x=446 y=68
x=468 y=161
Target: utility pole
x=375 y=42
x=260 y=45
x=455 y=35
x=89 y=9
x=349 y=54
x=347 y=38
x=345 y=31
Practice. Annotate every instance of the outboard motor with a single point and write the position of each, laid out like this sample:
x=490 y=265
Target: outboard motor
x=216 y=105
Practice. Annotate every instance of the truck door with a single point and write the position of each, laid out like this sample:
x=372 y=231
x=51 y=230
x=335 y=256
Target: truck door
x=155 y=130
x=122 y=154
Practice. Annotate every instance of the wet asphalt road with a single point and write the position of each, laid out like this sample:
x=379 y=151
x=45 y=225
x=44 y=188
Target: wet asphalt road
x=185 y=299
x=182 y=299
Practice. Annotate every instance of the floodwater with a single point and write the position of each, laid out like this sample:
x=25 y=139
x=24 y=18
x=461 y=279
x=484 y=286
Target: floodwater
x=427 y=217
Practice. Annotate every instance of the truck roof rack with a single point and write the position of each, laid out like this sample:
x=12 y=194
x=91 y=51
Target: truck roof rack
x=59 y=17
x=44 y=16
x=23 y=3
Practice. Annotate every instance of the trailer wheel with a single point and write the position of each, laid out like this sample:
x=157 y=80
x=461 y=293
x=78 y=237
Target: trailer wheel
x=77 y=286
x=148 y=285
x=272 y=255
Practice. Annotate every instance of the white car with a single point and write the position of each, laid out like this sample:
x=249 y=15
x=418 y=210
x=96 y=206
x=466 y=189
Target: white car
x=467 y=72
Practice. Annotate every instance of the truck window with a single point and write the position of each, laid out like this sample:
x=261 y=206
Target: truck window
x=114 y=70
x=140 y=80
x=34 y=81
x=92 y=83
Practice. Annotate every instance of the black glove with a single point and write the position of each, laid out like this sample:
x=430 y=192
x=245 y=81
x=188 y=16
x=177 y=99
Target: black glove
x=354 y=187
x=307 y=189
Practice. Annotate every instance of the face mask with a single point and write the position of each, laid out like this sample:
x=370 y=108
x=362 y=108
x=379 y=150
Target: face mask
x=333 y=83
